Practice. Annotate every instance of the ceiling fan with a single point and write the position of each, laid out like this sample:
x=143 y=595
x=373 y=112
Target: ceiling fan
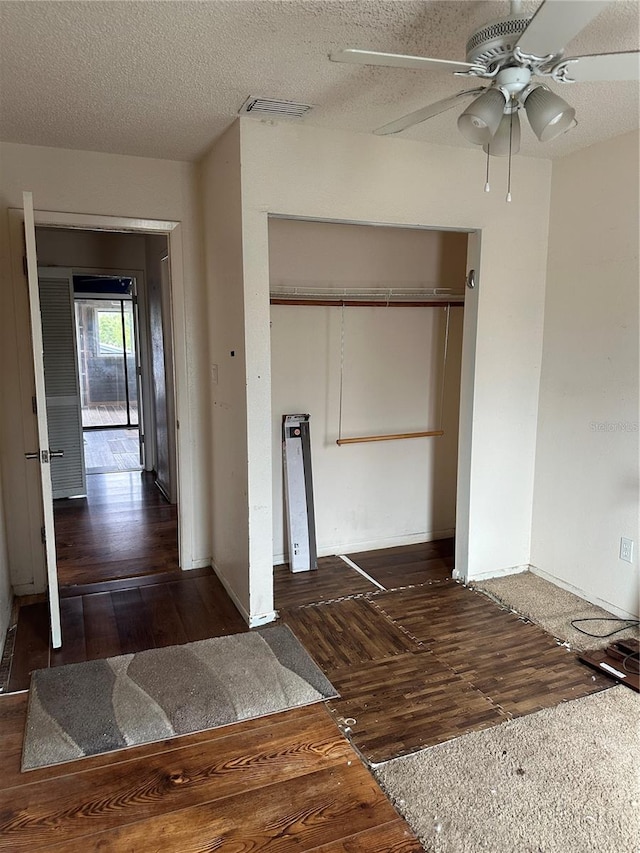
x=510 y=52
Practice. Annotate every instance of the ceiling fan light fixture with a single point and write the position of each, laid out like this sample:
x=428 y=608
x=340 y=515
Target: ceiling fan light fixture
x=481 y=119
x=499 y=144
x=549 y=115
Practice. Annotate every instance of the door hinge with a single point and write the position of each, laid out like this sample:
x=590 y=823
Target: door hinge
x=25 y=269
x=141 y=438
x=34 y=405
x=43 y=535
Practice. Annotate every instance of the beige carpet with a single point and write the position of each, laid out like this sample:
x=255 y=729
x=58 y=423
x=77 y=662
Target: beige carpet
x=564 y=780
x=553 y=609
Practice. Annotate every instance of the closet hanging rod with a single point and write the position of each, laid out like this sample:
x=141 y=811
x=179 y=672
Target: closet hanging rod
x=393 y=437
x=368 y=303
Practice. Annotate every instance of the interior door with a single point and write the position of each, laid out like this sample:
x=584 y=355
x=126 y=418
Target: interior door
x=61 y=382
x=43 y=453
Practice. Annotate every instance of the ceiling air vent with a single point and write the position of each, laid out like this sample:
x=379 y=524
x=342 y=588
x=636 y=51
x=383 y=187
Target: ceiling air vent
x=267 y=107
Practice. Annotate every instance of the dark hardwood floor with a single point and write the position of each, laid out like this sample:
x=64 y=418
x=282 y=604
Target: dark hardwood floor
x=333 y=579
x=427 y=661
x=414 y=666
x=122 y=617
x=408 y=565
x=123 y=528
x=287 y=782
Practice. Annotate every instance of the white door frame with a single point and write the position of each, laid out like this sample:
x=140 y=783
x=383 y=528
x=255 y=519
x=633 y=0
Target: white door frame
x=184 y=428
x=465 y=418
x=147 y=418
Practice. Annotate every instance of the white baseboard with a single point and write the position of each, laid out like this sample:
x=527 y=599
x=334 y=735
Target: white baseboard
x=253 y=621
x=492 y=573
x=263 y=619
x=587 y=596
x=26 y=589
x=202 y=563
x=5 y=622
x=374 y=544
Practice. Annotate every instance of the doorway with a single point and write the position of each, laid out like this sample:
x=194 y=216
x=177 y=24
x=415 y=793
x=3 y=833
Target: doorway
x=366 y=335
x=109 y=369
x=123 y=522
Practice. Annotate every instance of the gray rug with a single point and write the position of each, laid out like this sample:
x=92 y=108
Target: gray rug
x=564 y=780
x=94 y=707
x=553 y=609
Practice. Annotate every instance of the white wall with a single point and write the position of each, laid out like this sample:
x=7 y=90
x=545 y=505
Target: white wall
x=222 y=215
x=94 y=183
x=384 y=493
x=586 y=482
x=94 y=249
x=378 y=494
x=5 y=585
x=337 y=255
x=320 y=174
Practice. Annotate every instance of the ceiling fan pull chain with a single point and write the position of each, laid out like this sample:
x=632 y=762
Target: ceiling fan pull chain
x=487 y=188
x=510 y=143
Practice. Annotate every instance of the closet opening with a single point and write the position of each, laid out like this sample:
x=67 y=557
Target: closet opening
x=366 y=337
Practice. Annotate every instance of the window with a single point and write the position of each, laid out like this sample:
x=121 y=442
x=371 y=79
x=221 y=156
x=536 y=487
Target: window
x=109 y=328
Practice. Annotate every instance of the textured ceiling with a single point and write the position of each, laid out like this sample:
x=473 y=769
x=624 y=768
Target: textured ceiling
x=164 y=79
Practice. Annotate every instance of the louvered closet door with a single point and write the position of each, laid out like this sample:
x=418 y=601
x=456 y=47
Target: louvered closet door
x=64 y=412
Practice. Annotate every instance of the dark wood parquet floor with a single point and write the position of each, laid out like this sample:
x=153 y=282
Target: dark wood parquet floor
x=428 y=661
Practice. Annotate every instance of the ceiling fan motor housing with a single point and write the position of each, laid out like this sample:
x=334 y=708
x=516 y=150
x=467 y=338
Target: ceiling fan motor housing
x=495 y=42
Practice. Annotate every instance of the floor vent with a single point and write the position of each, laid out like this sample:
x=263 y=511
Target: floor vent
x=268 y=107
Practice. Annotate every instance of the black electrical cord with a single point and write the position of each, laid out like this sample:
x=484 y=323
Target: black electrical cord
x=629 y=623
x=632 y=656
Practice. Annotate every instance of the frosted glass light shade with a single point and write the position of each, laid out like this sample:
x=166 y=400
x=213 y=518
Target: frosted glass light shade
x=480 y=120
x=549 y=115
x=498 y=146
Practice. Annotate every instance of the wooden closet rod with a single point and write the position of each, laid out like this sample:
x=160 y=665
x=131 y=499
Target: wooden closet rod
x=395 y=437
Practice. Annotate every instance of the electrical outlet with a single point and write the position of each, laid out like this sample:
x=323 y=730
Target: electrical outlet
x=214 y=374
x=626 y=549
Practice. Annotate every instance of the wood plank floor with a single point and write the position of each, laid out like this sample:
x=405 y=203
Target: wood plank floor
x=424 y=663
x=122 y=617
x=408 y=565
x=111 y=450
x=123 y=528
x=287 y=782
x=414 y=666
x=332 y=580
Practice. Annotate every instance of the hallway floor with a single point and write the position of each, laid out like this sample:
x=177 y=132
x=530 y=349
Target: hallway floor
x=123 y=528
x=111 y=450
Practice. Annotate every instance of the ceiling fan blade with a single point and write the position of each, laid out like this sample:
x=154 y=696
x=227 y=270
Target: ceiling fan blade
x=397 y=60
x=603 y=66
x=427 y=112
x=555 y=23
